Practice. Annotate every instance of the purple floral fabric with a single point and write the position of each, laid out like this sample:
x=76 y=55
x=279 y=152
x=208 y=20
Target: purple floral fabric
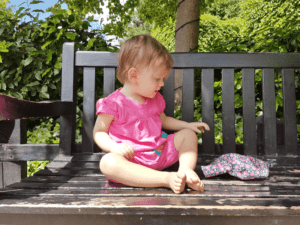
x=243 y=167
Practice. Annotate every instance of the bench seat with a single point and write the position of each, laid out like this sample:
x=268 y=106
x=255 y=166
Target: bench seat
x=72 y=188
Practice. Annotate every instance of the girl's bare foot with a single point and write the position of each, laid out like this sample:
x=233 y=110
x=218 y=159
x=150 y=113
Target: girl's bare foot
x=193 y=181
x=177 y=181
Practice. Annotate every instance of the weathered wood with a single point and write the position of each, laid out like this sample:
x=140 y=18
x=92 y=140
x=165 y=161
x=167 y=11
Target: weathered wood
x=269 y=110
x=168 y=93
x=29 y=152
x=188 y=95
x=141 y=219
x=109 y=81
x=89 y=82
x=69 y=94
x=12 y=108
x=201 y=60
x=154 y=205
x=12 y=172
x=289 y=107
x=275 y=161
x=207 y=87
x=228 y=111
x=249 y=125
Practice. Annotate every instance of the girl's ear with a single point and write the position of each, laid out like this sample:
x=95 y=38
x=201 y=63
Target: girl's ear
x=133 y=75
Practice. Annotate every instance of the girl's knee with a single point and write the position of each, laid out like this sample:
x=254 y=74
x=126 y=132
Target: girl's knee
x=188 y=133
x=107 y=163
x=185 y=135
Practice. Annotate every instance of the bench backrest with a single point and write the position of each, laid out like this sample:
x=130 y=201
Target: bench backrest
x=288 y=62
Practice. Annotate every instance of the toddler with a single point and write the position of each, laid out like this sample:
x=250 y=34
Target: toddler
x=130 y=121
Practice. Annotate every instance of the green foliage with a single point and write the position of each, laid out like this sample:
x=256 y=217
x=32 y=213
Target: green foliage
x=259 y=26
x=45 y=133
x=35 y=166
x=31 y=54
x=161 y=11
x=271 y=26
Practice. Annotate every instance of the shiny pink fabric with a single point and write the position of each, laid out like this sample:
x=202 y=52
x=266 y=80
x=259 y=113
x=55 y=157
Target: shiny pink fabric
x=139 y=125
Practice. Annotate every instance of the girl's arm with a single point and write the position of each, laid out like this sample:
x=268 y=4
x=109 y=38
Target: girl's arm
x=100 y=132
x=171 y=123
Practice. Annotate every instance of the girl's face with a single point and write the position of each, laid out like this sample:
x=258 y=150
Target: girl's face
x=150 y=80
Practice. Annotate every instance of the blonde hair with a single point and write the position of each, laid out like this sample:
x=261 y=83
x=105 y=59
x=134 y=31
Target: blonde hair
x=141 y=50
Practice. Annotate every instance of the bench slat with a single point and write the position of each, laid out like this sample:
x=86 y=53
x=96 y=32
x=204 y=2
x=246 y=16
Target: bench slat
x=289 y=107
x=212 y=191
x=89 y=83
x=153 y=206
x=109 y=81
x=68 y=93
x=168 y=94
x=207 y=92
x=200 y=60
x=249 y=122
x=188 y=95
x=228 y=111
x=269 y=111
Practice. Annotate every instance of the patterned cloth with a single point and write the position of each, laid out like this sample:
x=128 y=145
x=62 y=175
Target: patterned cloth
x=243 y=167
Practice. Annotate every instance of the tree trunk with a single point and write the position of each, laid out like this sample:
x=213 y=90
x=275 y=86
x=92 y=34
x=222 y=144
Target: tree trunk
x=186 y=37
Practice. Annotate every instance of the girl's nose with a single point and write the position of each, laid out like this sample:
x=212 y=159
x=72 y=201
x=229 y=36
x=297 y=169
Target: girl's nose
x=162 y=84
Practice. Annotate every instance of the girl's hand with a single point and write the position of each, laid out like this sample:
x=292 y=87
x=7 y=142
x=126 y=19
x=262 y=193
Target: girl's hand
x=195 y=125
x=124 y=150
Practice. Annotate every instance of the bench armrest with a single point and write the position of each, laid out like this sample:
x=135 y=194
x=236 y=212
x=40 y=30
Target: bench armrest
x=12 y=108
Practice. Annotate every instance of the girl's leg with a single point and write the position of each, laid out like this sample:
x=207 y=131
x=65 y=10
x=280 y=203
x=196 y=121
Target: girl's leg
x=186 y=143
x=118 y=168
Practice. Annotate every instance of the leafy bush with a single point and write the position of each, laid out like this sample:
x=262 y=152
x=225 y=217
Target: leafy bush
x=31 y=58
x=271 y=27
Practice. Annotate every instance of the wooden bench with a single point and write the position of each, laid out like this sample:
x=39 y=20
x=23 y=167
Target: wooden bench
x=72 y=189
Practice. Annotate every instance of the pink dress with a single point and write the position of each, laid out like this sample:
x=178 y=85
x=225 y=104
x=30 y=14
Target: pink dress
x=139 y=125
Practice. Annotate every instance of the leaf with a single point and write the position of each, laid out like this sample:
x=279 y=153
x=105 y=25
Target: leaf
x=59 y=34
x=37 y=53
x=49 y=58
x=33 y=84
x=38 y=10
x=38 y=75
x=17 y=95
x=90 y=44
x=0 y=59
x=85 y=25
x=2 y=74
x=55 y=20
x=1 y=30
x=71 y=18
x=52 y=29
x=298 y=38
x=52 y=86
x=46 y=71
x=71 y=36
x=44 y=95
x=35 y=2
x=4 y=86
x=44 y=88
x=46 y=44
x=27 y=61
x=20 y=9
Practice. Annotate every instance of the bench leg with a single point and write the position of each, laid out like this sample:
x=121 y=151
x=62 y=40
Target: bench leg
x=12 y=172
x=13 y=132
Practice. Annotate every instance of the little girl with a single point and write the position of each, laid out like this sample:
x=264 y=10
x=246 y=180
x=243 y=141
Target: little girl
x=130 y=120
